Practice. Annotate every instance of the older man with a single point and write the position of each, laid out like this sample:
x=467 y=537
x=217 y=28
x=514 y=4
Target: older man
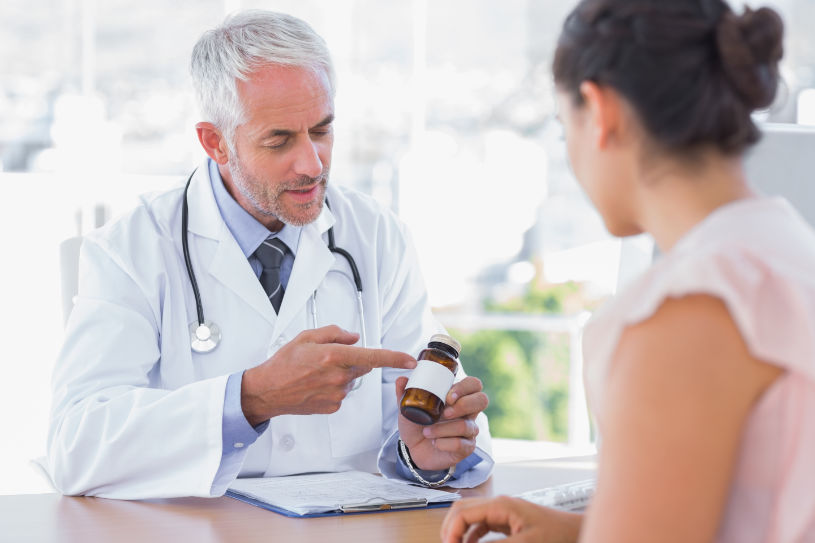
x=219 y=331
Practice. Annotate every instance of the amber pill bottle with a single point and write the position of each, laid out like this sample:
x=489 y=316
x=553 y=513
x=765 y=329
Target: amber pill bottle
x=423 y=401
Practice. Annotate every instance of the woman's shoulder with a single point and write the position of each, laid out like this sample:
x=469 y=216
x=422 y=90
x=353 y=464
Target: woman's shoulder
x=759 y=260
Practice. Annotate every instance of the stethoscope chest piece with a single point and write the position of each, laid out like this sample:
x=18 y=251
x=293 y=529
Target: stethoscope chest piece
x=204 y=337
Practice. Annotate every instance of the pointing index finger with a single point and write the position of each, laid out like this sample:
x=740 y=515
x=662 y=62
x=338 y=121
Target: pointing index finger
x=368 y=359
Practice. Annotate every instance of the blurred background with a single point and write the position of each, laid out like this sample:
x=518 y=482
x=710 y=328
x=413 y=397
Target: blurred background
x=444 y=112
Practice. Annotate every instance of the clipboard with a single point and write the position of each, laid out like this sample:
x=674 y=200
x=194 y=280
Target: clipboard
x=350 y=509
x=333 y=494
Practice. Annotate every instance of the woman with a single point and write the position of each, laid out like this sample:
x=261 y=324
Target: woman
x=701 y=376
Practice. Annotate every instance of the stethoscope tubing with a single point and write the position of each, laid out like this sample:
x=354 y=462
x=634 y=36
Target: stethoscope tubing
x=199 y=307
x=348 y=258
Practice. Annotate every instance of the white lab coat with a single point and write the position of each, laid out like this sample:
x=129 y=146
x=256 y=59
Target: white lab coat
x=137 y=414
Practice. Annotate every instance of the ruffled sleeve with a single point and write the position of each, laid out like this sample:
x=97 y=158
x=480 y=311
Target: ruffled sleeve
x=772 y=304
x=771 y=301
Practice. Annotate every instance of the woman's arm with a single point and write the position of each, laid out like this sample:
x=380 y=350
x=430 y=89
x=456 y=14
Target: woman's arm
x=679 y=391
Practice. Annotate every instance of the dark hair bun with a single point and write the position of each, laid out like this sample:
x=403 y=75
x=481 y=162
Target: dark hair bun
x=693 y=70
x=750 y=46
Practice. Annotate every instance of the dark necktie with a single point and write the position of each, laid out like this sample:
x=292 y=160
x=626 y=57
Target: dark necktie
x=271 y=253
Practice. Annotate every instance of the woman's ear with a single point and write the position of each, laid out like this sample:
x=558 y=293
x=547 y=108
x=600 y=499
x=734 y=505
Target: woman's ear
x=213 y=142
x=603 y=106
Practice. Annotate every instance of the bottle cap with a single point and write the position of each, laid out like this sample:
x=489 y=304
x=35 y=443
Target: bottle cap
x=447 y=340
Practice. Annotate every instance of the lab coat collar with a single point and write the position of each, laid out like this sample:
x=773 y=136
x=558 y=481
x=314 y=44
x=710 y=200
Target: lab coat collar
x=325 y=219
x=204 y=217
x=209 y=235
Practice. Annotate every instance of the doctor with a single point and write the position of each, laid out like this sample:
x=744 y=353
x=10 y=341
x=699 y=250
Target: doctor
x=148 y=403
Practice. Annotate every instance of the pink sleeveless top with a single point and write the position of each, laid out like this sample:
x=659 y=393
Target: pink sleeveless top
x=758 y=256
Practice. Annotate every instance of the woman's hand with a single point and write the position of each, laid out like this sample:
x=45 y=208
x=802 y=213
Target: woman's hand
x=470 y=519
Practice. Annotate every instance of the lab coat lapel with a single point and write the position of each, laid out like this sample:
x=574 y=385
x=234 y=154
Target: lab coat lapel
x=232 y=269
x=312 y=262
x=228 y=264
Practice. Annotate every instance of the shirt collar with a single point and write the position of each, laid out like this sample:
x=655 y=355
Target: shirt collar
x=247 y=230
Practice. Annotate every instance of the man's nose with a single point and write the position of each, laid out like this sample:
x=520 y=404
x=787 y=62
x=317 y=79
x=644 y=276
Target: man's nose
x=307 y=162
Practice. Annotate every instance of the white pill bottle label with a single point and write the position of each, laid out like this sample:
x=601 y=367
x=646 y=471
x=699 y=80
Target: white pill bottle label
x=432 y=377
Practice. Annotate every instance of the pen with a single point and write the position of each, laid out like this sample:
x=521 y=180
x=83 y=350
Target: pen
x=361 y=507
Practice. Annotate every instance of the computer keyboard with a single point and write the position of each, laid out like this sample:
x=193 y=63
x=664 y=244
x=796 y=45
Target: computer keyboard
x=566 y=497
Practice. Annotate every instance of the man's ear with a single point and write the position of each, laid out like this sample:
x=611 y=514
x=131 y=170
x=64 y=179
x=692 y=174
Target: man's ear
x=604 y=108
x=213 y=142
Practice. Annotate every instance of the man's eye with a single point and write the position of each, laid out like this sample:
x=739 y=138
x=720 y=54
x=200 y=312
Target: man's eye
x=275 y=144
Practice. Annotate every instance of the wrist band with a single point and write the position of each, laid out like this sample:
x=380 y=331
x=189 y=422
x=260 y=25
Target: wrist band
x=406 y=457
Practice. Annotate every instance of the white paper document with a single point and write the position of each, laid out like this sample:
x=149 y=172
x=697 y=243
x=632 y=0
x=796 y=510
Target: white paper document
x=334 y=493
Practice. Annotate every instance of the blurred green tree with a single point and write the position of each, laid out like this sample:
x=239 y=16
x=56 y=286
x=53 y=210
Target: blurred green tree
x=525 y=374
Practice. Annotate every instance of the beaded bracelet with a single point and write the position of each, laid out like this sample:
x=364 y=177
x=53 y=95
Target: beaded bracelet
x=406 y=457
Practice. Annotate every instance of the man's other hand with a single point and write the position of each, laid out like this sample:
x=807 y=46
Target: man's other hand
x=452 y=439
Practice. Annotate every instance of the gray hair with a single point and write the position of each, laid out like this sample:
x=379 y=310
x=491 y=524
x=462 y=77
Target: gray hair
x=239 y=45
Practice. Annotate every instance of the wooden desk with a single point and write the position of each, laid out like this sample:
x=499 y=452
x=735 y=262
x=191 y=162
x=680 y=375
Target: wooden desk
x=51 y=517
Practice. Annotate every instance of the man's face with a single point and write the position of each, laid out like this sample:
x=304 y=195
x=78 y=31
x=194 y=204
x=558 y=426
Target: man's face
x=280 y=167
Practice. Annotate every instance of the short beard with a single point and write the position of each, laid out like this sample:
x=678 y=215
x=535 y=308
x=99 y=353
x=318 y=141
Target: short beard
x=267 y=203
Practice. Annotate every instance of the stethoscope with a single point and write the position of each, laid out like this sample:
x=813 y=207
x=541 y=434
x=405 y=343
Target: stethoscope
x=206 y=335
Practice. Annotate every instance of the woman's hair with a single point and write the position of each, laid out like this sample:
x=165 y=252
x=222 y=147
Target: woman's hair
x=241 y=44
x=693 y=70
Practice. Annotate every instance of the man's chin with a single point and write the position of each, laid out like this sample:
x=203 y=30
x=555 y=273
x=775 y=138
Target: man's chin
x=302 y=215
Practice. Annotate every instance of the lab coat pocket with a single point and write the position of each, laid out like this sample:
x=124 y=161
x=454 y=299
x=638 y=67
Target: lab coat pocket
x=357 y=426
